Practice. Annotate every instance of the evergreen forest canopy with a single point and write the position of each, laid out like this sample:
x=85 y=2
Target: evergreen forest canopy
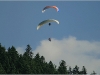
x=11 y=62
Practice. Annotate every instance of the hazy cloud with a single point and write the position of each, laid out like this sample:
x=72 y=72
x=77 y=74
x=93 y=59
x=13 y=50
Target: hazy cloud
x=73 y=51
x=20 y=50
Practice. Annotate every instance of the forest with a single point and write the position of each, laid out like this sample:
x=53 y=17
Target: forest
x=11 y=62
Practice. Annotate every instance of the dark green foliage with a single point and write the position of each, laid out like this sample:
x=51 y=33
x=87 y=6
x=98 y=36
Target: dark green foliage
x=84 y=71
x=62 y=68
x=76 y=70
x=11 y=62
x=2 y=71
x=70 y=70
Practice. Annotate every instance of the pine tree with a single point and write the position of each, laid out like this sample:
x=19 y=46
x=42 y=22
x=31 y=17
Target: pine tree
x=28 y=52
x=62 y=68
x=27 y=61
x=84 y=71
x=13 y=57
x=70 y=70
x=3 y=57
x=38 y=64
x=51 y=68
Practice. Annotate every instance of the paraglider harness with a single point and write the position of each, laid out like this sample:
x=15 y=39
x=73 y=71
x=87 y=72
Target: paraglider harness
x=49 y=39
x=49 y=24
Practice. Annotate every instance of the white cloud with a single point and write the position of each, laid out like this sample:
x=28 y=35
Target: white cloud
x=73 y=51
x=20 y=50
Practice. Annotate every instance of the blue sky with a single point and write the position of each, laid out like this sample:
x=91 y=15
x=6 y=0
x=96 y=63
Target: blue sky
x=19 y=19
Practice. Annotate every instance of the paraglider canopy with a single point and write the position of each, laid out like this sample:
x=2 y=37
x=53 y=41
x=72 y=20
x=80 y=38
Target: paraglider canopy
x=46 y=21
x=47 y=7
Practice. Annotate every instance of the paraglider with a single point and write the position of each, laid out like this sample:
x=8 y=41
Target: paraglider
x=46 y=21
x=49 y=20
x=49 y=24
x=47 y=7
x=49 y=39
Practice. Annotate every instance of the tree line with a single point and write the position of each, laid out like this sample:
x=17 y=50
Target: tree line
x=11 y=62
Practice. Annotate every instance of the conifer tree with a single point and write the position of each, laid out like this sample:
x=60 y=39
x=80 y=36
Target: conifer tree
x=62 y=68
x=76 y=70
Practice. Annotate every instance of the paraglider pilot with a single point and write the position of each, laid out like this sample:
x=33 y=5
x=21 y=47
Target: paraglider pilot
x=49 y=24
x=49 y=39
